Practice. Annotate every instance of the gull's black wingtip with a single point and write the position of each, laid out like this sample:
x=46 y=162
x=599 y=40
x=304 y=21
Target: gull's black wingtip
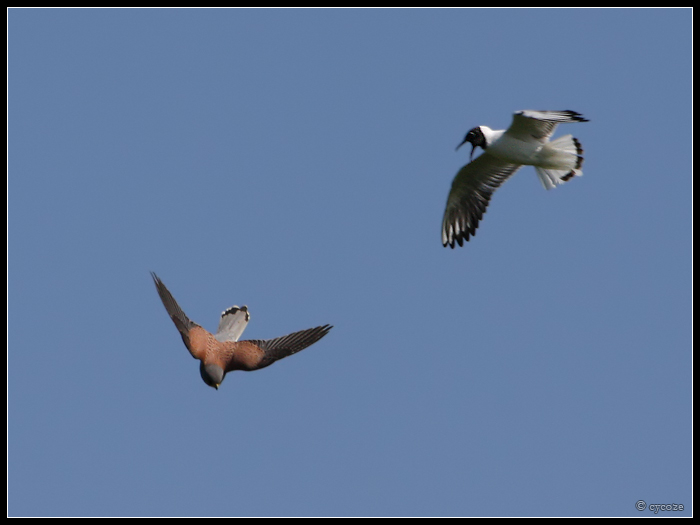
x=575 y=115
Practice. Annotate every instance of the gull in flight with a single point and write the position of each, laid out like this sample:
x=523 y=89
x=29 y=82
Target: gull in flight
x=222 y=352
x=525 y=142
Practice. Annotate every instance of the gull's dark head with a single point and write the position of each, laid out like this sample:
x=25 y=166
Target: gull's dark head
x=476 y=138
x=212 y=375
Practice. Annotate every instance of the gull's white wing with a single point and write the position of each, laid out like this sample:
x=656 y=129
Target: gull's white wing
x=539 y=125
x=233 y=322
x=470 y=194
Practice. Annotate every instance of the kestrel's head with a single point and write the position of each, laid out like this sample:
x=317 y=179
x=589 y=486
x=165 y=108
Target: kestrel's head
x=212 y=375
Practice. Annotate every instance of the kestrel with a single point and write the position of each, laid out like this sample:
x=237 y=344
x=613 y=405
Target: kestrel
x=222 y=352
x=525 y=142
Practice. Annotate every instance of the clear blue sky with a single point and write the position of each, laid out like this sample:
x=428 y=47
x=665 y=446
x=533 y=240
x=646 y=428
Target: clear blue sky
x=298 y=161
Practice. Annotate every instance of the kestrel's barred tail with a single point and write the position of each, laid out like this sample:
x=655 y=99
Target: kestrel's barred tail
x=232 y=323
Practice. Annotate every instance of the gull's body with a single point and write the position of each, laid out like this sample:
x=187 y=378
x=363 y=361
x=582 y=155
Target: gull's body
x=525 y=142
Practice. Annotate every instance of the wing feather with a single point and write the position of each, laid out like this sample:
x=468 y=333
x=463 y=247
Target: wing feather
x=540 y=125
x=280 y=347
x=182 y=322
x=470 y=195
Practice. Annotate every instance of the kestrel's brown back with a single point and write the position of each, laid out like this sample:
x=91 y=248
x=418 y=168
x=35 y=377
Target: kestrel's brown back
x=222 y=352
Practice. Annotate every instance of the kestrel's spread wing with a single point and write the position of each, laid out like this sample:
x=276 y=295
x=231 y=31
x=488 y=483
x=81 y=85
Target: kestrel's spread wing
x=222 y=353
x=256 y=354
x=182 y=322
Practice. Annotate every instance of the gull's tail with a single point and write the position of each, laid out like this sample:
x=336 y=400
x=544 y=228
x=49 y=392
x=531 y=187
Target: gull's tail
x=560 y=160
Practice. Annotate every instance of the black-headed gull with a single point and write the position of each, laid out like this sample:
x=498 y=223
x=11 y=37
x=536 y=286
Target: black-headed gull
x=525 y=142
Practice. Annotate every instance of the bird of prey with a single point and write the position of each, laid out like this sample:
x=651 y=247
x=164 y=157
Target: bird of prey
x=222 y=352
x=525 y=142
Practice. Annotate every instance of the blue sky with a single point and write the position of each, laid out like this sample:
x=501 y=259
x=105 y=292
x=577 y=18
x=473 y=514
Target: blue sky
x=298 y=161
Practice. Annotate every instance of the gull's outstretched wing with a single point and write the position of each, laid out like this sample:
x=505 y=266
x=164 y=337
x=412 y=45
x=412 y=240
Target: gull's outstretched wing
x=539 y=125
x=470 y=195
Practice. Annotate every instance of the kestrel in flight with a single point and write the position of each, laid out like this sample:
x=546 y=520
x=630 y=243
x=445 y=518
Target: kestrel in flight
x=222 y=352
